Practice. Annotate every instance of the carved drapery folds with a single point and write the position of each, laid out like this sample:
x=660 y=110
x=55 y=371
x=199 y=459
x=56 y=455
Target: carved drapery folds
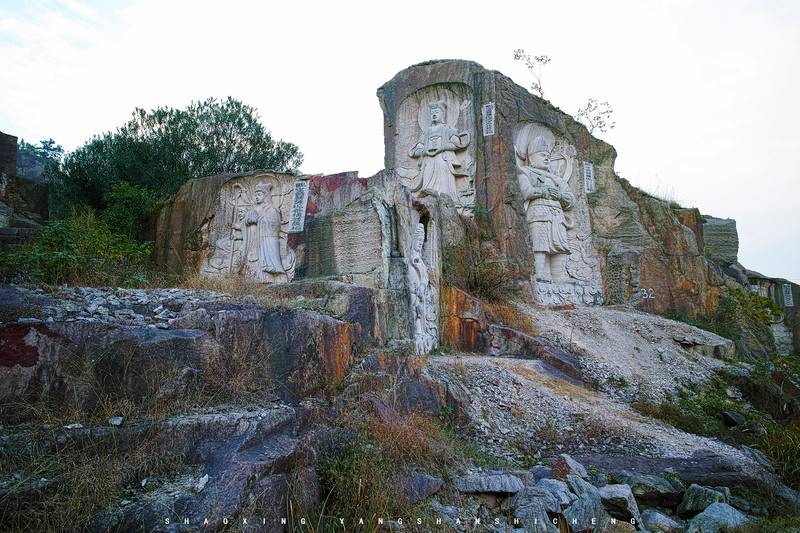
x=248 y=235
x=434 y=149
x=566 y=264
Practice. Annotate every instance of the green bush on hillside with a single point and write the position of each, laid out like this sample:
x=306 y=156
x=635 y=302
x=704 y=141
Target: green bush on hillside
x=79 y=250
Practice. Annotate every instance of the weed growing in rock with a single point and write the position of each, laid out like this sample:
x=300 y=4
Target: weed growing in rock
x=782 y=446
x=354 y=480
x=477 y=267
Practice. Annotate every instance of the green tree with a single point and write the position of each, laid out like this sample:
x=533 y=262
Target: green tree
x=30 y=156
x=161 y=149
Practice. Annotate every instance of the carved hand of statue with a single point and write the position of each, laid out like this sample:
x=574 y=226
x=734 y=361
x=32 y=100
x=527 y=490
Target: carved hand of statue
x=554 y=193
x=434 y=151
x=534 y=193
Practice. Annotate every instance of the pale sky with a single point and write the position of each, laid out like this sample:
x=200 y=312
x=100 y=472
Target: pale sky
x=704 y=92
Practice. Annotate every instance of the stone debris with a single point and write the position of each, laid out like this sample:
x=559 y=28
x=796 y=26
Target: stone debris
x=201 y=484
x=549 y=504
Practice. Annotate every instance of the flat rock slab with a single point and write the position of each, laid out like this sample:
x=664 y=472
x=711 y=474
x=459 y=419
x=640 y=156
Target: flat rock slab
x=703 y=468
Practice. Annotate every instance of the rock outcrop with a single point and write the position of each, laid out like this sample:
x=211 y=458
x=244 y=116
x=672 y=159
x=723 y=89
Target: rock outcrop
x=23 y=201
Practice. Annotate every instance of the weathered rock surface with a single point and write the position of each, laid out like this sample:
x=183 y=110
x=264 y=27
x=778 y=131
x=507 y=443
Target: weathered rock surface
x=566 y=466
x=651 y=490
x=647 y=256
x=299 y=349
x=419 y=486
x=698 y=498
x=464 y=322
x=717 y=517
x=619 y=501
x=491 y=483
x=721 y=240
x=657 y=522
x=560 y=492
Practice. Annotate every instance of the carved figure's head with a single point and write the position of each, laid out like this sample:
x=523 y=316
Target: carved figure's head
x=437 y=110
x=534 y=145
x=419 y=238
x=263 y=191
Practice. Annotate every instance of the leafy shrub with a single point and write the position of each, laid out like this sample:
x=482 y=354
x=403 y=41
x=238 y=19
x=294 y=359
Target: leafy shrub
x=82 y=250
x=126 y=208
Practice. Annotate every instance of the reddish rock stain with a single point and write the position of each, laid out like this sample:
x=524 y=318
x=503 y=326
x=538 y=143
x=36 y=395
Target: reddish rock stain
x=13 y=348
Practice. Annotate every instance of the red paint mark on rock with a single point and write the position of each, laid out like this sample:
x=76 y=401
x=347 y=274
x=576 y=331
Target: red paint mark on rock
x=14 y=350
x=332 y=182
x=311 y=208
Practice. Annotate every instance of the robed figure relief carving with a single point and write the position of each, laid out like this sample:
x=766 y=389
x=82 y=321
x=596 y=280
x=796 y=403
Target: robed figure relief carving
x=548 y=200
x=255 y=245
x=436 y=154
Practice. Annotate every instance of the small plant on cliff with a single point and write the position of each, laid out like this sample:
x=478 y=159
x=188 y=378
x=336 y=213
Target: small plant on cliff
x=535 y=66
x=596 y=116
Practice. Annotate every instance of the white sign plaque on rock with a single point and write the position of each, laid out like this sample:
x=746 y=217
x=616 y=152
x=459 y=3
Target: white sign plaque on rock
x=588 y=176
x=297 y=214
x=488 y=119
x=788 y=300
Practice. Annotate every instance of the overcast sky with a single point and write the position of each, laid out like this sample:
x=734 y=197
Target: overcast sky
x=704 y=92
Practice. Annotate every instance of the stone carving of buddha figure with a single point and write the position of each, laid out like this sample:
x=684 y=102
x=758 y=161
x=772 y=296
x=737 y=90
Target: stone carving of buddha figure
x=261 y=232
x=435 y=152
x=547 y=196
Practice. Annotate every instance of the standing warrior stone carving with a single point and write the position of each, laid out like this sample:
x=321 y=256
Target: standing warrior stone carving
x=435 y=151
x=547 y=196
x=261 y=230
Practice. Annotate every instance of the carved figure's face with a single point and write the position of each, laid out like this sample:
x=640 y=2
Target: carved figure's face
x=540 y=160
x=259 y=196
x=437 y=115
x=419 y=238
